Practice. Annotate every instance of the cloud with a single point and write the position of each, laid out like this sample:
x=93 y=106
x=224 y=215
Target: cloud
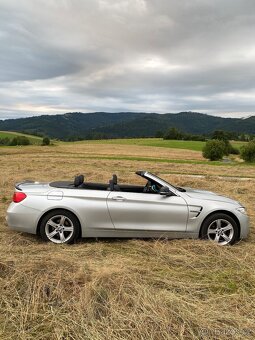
x=129 y=55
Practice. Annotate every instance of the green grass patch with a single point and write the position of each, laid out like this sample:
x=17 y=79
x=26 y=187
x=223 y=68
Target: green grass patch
x=154 y=160
x=9 y=134
x=158 y=142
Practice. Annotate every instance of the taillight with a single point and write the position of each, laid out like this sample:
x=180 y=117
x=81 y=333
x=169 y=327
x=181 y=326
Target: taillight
x=18 y=197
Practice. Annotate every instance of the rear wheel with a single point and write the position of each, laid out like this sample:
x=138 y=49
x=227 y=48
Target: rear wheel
x=221 y=229
x=59 y=226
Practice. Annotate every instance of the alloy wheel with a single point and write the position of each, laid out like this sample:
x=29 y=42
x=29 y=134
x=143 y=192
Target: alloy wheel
x=59 y=229
x=220 y=231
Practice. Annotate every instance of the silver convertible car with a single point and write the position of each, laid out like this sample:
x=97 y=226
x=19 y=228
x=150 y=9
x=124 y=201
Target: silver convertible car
x=61 y=212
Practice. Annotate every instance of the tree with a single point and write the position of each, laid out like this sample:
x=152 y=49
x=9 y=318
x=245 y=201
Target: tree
x=214 y=150
x=19 y=140
x=173 y=133
x=14 y=141
x=220 y=135
x=46 y=141
x=4 y=141
x=22 y=140
x=225 y=136
x=159 y=134
x=248 y=152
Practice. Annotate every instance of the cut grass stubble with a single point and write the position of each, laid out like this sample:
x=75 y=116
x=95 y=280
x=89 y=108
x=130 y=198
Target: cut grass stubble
x=123 y=289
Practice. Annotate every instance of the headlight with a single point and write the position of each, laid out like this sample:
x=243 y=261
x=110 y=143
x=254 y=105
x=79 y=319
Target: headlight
x=242 y=210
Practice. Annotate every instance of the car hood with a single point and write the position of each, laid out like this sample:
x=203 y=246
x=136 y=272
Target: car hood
x=209 y=195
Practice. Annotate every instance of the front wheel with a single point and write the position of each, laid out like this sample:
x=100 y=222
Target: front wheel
x=220 y=228
x=59 y=226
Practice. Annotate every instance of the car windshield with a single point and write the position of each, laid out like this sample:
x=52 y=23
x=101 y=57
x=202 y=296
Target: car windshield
x=167 y=183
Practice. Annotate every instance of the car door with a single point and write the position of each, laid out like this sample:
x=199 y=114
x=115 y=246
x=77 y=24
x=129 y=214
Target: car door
x=146 y=211
x=90 y=206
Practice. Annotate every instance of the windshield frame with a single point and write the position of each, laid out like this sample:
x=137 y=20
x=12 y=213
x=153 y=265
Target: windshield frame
x=162 y=182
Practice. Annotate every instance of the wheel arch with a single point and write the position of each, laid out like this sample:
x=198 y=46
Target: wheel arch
x=226 y=212
x=53 y=209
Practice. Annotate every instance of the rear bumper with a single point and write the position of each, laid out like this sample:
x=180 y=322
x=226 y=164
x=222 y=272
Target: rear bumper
x=21 y=218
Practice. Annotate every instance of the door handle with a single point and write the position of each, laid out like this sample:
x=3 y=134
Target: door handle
x=118 y=198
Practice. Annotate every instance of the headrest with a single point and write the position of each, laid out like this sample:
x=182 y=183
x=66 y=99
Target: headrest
x=114 y=179
x=78 y=180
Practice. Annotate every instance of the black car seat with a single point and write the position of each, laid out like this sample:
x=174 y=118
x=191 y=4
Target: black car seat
x=78 y=181
x=113 y=184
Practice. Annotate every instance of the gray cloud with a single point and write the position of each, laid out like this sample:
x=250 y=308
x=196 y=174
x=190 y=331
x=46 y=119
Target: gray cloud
x=163 y=56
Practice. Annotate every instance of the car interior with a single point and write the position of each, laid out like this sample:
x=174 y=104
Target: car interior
x=79 y=183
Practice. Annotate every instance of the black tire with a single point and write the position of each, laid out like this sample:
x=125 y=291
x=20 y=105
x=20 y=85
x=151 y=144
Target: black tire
x=211 y=222
x=69 y=221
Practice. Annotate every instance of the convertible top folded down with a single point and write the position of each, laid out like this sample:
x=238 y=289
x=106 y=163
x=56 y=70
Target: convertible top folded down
x=96 y=186
x=70 y=185
x=113 y=185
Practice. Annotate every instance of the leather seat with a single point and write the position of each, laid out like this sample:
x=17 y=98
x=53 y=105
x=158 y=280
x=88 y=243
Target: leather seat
x=113 y=184
x=78 y=181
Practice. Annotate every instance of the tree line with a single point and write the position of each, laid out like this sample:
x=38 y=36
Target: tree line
x=17 y=140
x=217 y=144
x=20 y=140
x=177 y=134
x=215 y=149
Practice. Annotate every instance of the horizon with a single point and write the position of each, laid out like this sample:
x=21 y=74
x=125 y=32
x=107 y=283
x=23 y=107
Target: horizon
x=73 y=112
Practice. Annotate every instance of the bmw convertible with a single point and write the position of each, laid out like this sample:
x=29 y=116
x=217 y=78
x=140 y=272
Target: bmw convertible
x=62 y=212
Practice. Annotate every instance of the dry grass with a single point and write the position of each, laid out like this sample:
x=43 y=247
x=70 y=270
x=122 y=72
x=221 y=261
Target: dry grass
x=123 y=289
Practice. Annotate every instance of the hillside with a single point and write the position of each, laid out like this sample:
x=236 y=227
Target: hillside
x=10 y=134
x=123 y=124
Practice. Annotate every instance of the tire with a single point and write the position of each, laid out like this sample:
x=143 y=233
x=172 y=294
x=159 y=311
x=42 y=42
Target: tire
x=220 y=228
x=59 y=226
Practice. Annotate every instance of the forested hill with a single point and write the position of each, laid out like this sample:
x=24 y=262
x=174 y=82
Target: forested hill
x=124 y=124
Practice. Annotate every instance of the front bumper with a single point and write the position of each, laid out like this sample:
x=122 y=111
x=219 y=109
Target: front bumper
x=244 y=224
x=22 y=218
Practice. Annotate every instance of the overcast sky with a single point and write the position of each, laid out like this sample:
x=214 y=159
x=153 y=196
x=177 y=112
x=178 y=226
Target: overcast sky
x=161 y=56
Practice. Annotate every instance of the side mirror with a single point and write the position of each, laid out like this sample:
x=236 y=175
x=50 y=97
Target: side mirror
x=165 y=191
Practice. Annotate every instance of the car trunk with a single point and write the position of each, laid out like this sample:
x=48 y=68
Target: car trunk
x=31 y=186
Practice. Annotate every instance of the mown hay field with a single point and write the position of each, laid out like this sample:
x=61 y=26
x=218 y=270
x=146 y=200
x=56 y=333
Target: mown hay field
x=160 y=142
x=125 y=289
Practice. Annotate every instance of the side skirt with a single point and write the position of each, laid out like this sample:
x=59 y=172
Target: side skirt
x=137 y=233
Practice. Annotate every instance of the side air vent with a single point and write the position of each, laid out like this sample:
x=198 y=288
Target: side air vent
x=194 y=211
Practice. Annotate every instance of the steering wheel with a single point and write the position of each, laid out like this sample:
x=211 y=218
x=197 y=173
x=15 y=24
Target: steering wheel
x=151 y=188
x=147 y=187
